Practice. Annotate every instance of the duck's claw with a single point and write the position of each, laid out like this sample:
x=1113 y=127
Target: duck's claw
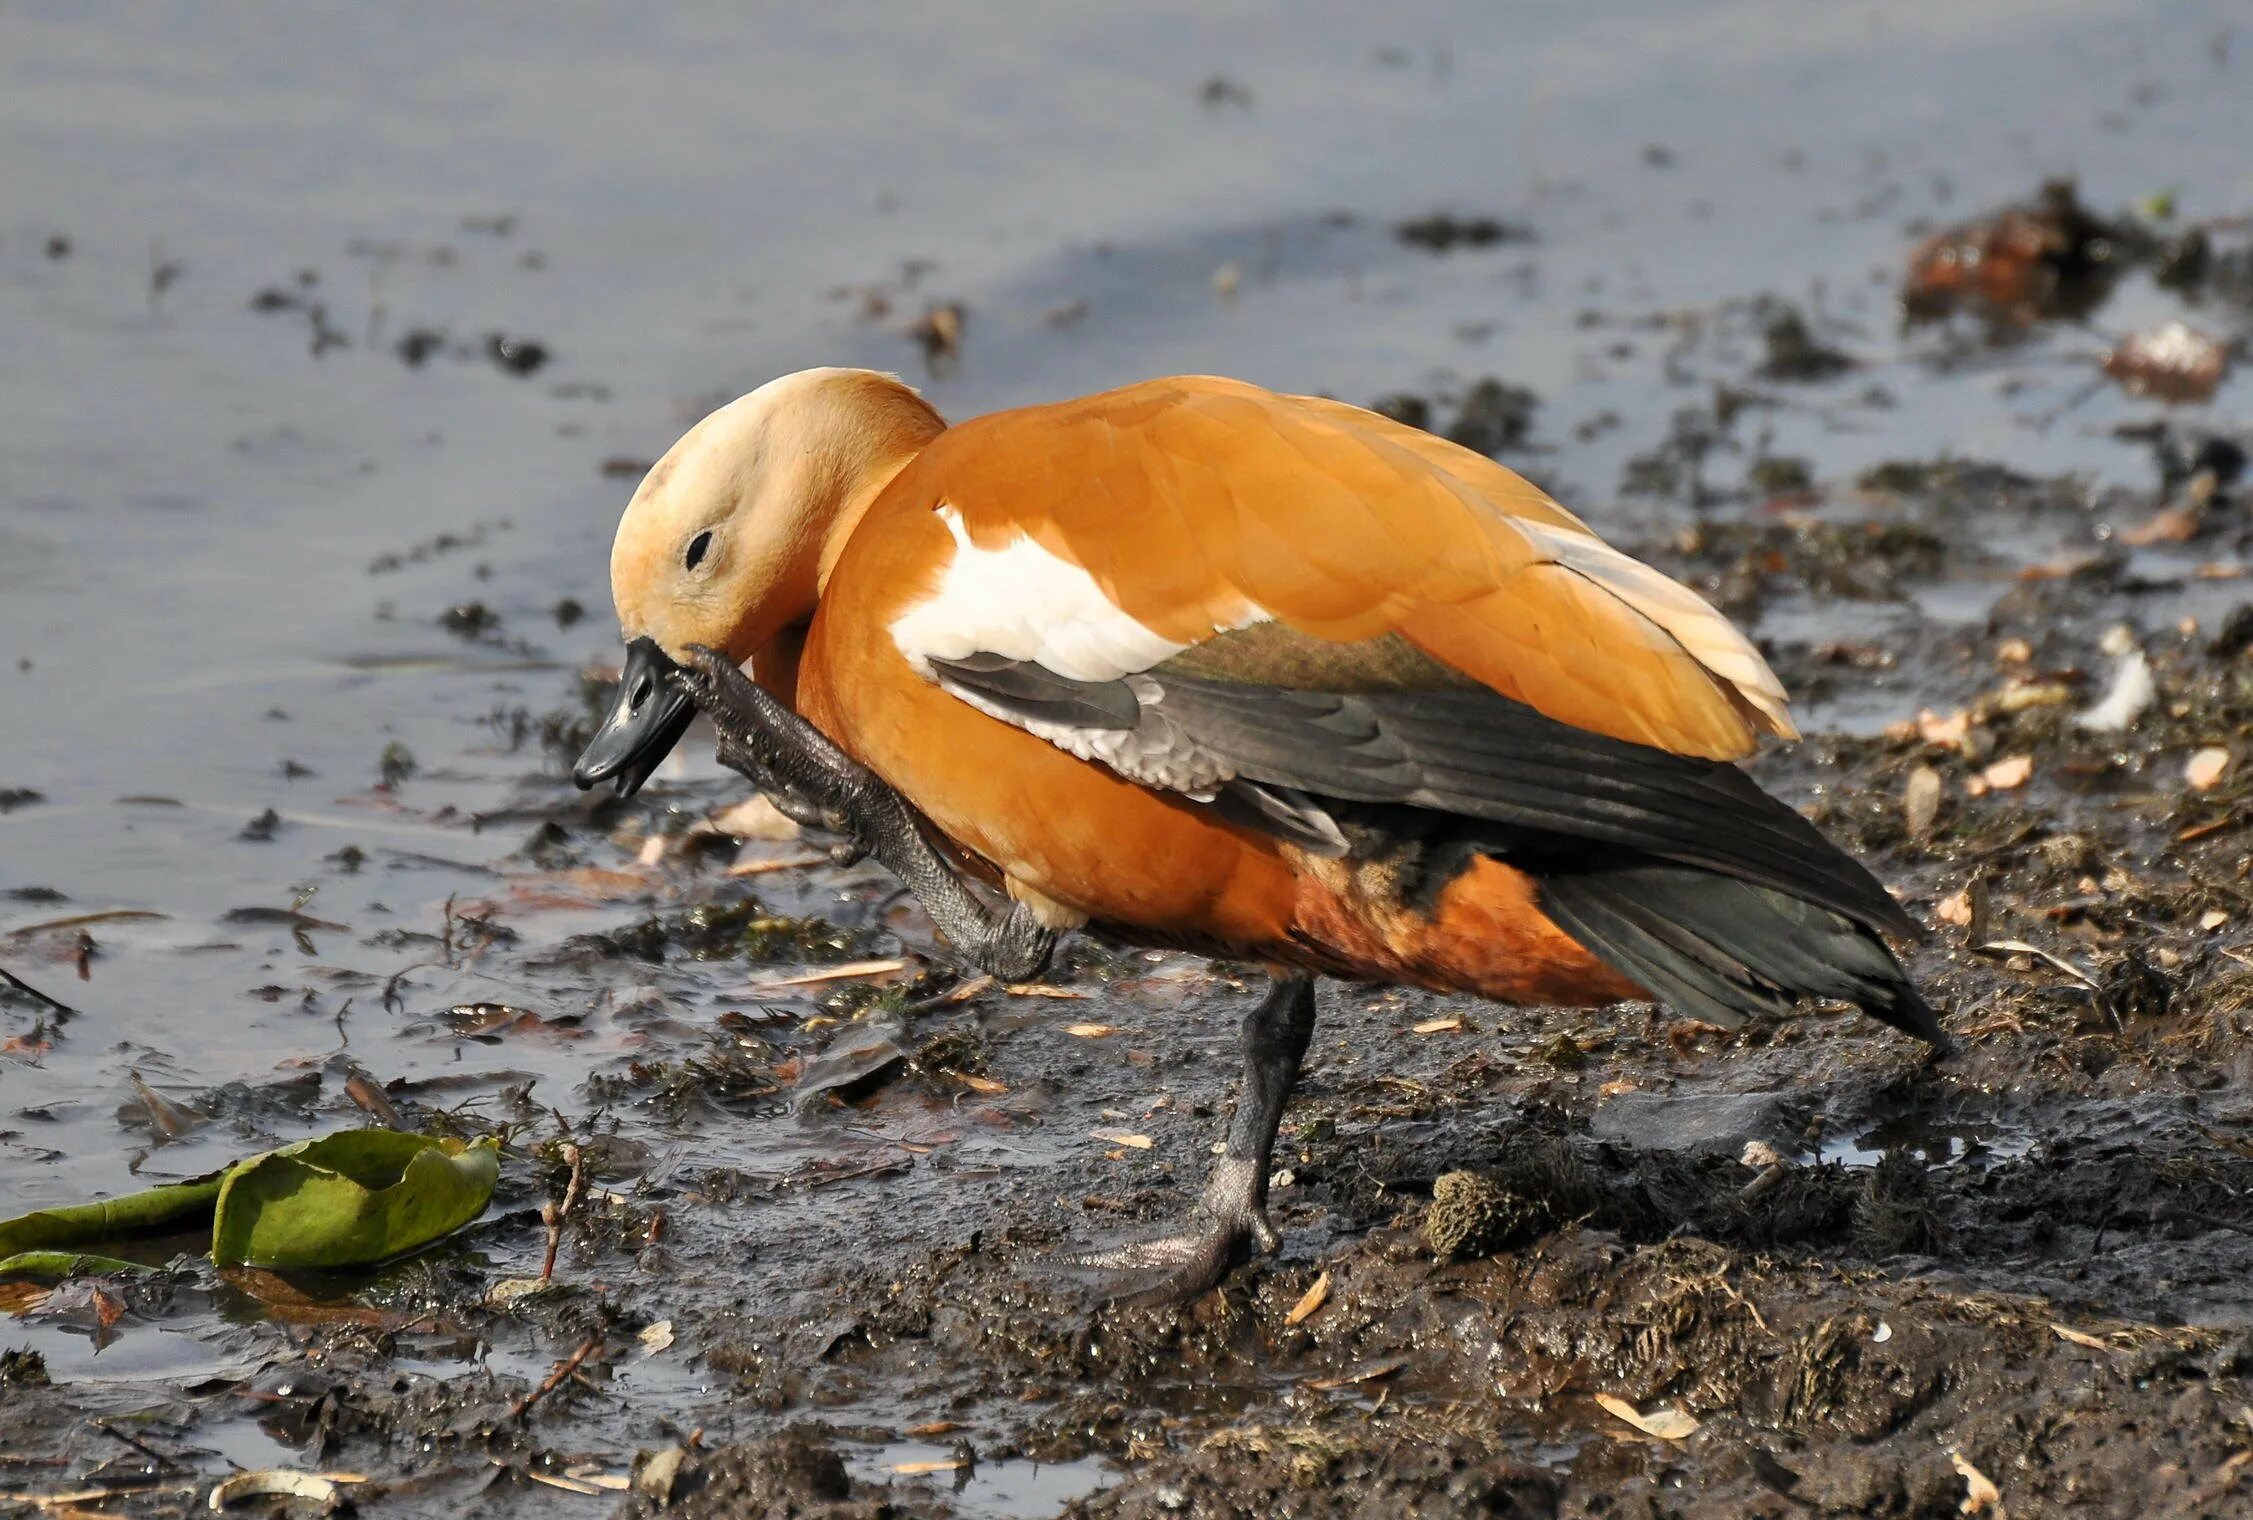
x=1173 y=1269
x=810 y=781
x=800 y=809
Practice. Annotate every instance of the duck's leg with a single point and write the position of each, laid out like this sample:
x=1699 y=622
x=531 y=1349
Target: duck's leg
x=815 y=782
x=1230 y=1219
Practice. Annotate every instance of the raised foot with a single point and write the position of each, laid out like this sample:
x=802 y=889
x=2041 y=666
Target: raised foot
x=815 y=782
x=808 y=779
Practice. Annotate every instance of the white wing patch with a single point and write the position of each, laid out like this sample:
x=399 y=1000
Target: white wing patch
x=1023 y=603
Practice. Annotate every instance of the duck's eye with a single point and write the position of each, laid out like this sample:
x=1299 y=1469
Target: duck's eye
x=698 y=547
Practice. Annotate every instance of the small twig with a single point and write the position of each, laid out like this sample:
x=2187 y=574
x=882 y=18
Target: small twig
x=1750 y=1307
x=365 y=1091
x=576 y=1188
x=62 y=1010
x=68 y=1504
x=553 y=1215
x=163 y=1462
x=562 y=1370
x=1762 y=1184
x=391 y=1000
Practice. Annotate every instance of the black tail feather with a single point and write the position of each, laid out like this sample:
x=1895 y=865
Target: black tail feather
x=1718 y=948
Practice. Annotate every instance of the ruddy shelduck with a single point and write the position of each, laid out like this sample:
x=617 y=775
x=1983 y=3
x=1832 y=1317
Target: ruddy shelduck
x=1196 y=664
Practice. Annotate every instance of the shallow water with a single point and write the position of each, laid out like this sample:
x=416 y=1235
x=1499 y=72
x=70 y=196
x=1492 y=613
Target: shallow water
x=227 y=541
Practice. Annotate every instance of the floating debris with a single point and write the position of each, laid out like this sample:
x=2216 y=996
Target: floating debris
x=1494 y=415
x=2205 y=769
x=2005 y=775
x=169 y=1120
x=939 y=332
x=2052 y=258
x=769 y=865
x=1920 y=801
x=395 y=765
x=518 y=356
x=1368 y=1372
x=849 y=971
x=1980 y=1493
x=2131 y=695
x=1793 y=350
x=2172 y=362
x=1667 y=1424
x=369 y=1097
x=755 y=818
x=1220 y=90
x=323 y=1489
x=856 y=1062
x=417 y=345
x=2036 y=952
x=469 y=620
x=1444 y=232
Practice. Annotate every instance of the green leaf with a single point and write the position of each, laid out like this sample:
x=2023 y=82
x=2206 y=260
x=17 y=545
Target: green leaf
x=346 y=1200
x=168 y=1210
x=350 y=1199
x=56 y=1265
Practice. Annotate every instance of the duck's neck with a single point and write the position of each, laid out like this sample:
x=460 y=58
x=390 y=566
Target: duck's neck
x=830 y=441
x=859 y=499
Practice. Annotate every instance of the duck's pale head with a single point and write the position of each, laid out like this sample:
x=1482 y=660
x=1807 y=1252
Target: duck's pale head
x=728 y=539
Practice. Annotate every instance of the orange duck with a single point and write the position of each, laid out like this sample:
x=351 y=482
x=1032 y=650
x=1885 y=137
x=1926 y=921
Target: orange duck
x=1191 y=663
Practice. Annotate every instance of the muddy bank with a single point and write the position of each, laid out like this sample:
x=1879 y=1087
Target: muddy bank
x=1834 y=1277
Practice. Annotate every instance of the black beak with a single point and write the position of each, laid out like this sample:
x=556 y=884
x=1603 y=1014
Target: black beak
x=645 y=721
